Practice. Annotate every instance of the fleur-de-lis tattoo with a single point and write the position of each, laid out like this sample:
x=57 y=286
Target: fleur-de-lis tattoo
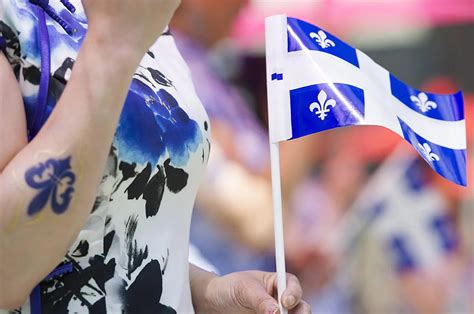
x=322 y=106
x=423 y=103
x=54 y=180
x=426 y=151
x=322 y=39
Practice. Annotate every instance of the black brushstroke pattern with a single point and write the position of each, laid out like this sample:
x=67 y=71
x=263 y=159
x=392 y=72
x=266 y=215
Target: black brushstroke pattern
x=128 y=170
x=13 y=47
x=136 y=255
x=32 y=74
x=144 y=294
x=136 y=188
x=177 y=178
x=112 y=164
x=106 y=270
x=99 y=200
x=145 y=78
x=131 y=227
x=109 y=171
x=60 y=73
x=82 y=249
x=151 y=54
x=208 y=149
x=58 y=292
x=160 y=78
x=109 y=237
x=153 y=193
x=108 y=219
x=98 y=307
x=165 y=261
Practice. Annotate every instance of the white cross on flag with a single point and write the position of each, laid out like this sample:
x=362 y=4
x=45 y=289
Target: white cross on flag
x=317 y=82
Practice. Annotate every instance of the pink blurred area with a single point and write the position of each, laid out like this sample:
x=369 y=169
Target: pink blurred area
x=345 y=16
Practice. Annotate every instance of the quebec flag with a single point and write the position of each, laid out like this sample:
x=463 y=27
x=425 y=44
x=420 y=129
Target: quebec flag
x=317 y=82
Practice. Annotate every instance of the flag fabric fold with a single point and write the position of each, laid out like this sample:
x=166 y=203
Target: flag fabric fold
x=316 y=82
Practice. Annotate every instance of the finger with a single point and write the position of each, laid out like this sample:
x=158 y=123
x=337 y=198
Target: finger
x=301 y=308
x=293 y=292
x=256 y=298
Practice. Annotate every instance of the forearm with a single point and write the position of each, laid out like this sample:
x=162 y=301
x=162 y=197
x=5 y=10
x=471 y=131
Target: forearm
x=80 y=129
x=240 y=200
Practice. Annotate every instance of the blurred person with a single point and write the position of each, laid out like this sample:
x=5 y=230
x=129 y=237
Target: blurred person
x=461 y=205
x=421 y=240
x=405 y=258
x=233 y=210
x=100 y=162
x=317 y=209
x=387 y=277
x=418 y=234
x=455 y=280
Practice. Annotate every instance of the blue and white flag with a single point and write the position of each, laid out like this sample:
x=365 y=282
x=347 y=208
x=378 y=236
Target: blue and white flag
x=317 y=82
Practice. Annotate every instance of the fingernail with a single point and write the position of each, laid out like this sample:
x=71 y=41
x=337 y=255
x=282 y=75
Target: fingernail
x=274 y=310
x=289 y=301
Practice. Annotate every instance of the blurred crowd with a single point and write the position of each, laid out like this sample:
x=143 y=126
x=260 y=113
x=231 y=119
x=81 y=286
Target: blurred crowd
x=369 y=227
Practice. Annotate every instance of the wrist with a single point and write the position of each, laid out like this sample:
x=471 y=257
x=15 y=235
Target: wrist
x=102 y=74
x=203 y=284
x=112 y=48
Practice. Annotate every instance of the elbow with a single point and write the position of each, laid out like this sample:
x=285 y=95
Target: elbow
x=12 y=294
x=10 y=301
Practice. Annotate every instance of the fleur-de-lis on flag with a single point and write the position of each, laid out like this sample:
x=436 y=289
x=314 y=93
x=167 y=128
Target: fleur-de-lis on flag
x=425 y=149
x=322 y=39
x=322 y=106
x=423 y=103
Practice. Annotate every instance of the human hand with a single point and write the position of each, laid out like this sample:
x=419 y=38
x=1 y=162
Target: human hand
x=133 y=24
x=250 y=292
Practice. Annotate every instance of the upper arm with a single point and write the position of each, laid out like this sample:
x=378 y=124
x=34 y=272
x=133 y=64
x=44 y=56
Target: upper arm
x=12 y=115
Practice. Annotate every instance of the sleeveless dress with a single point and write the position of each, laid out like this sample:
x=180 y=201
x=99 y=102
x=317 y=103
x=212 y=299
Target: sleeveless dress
x=132 y=253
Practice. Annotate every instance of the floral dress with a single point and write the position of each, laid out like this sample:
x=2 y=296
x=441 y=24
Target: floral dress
x=132 y=254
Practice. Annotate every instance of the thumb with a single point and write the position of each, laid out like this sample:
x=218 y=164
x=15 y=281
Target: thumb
x=257 y=299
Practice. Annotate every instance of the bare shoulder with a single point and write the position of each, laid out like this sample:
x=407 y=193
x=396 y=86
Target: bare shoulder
x=12 y=114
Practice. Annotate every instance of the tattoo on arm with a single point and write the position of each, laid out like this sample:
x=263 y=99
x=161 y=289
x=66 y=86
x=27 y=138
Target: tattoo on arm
x=54 y=180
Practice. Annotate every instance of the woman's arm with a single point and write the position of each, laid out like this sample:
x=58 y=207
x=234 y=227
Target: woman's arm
x=70 y=151
x=241 y=201
x=12 y=115
x=79 y=132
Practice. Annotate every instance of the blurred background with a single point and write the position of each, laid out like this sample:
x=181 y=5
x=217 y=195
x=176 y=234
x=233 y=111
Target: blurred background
x=369 y=227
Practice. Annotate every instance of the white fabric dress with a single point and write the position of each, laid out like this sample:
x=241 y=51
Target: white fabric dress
x=132 y=254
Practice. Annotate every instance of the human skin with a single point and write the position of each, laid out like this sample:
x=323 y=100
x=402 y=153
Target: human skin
x=244 y=292
x=208 y=20
x=81 y=128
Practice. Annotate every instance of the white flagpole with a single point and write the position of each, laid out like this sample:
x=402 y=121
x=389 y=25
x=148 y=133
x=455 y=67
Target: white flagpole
x=278 y=222
x=279 y=128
